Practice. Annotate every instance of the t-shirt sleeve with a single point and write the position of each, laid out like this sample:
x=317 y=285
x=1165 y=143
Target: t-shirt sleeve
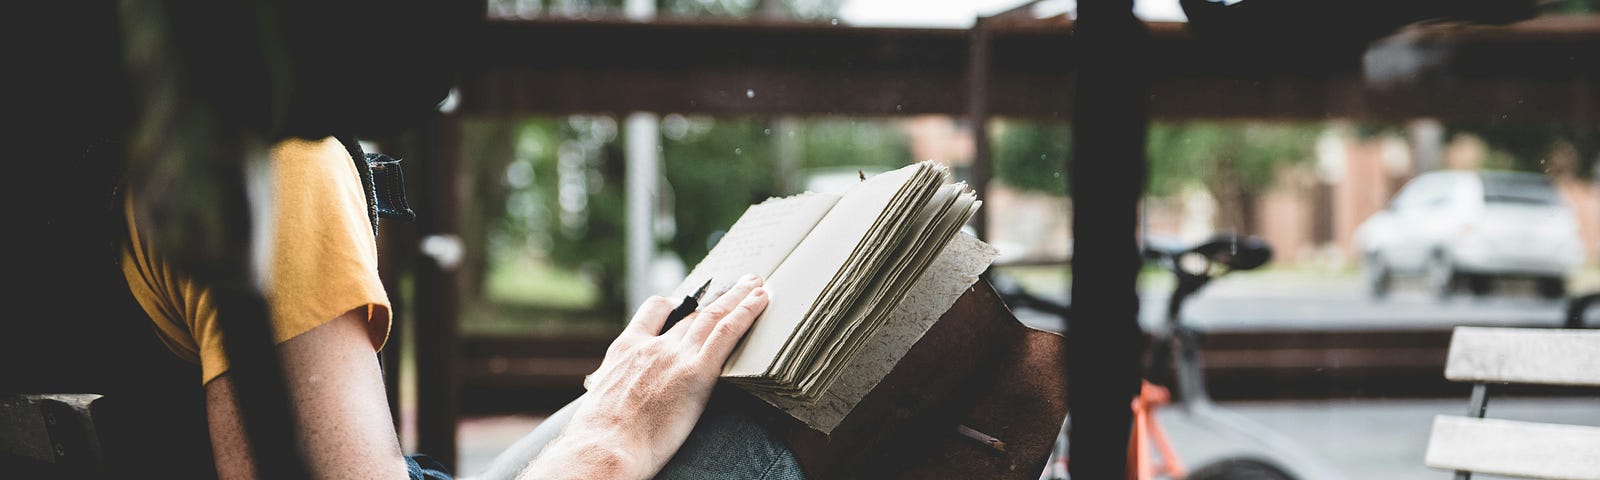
x=323 y=261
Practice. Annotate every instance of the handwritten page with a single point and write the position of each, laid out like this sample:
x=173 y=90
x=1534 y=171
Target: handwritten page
x=758 y=242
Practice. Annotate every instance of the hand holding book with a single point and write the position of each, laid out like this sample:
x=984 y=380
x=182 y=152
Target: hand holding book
x=837 y=265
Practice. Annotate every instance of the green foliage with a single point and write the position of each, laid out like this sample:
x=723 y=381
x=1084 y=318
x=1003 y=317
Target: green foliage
x=1572 y=6
x=566 y=199
x=1369 y=130
x=1032 y=156
x=530 y=180
x=844 y=142
x=717 y=168
x=715 y=172
x=520 y=280
x=1247 y=154
x=1528 y=146
x=565 y=188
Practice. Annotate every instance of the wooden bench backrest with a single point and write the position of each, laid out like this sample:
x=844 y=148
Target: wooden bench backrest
x=1505 y=447
x=1546 y=356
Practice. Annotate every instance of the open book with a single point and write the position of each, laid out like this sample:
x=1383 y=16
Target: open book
x=836 y=268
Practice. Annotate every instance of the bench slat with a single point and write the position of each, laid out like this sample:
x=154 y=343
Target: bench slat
x=1525 y=355
x=1507 y=447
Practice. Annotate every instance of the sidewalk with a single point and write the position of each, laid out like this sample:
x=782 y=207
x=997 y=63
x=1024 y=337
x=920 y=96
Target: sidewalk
x=1369 y=439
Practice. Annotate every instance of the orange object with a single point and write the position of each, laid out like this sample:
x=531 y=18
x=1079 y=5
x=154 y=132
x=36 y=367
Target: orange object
x=1147 y=430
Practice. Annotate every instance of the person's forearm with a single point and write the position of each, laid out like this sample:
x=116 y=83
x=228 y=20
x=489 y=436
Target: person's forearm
x=650 y=389
x=584 y=458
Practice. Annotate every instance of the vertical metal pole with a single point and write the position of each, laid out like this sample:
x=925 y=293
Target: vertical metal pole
x=435 y=302
x=1106 y=176
x=1475 y=409
x=1480 y=400
x=642 y=175
x=643 y=136
x=978 y=115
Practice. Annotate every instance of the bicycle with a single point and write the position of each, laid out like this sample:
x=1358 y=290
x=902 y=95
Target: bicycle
x=1177 y=346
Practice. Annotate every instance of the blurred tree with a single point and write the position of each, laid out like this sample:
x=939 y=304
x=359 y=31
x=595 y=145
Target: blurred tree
x=559 y=191
x=524 y=221
x=560 y=194
x=589 y=227
x=1529 y=146
x=1234 y=162
x=484 y=172
x=562 y=187
x=714 y=173
x=715 y=169
x=1029 y=156
x=1572 y=6
x=842 y=142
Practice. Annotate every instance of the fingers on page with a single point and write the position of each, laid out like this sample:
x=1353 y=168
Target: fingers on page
x=651 y=316
x=729 y=329
x=709 y=315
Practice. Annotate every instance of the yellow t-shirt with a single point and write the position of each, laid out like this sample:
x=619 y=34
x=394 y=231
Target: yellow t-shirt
x=324 y=261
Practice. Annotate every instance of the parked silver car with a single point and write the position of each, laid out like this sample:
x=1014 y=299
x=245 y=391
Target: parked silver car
x=1469 y=229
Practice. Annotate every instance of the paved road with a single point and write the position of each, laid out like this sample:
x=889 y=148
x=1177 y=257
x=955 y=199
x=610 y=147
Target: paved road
x=1298 y=301
x=1364 y=439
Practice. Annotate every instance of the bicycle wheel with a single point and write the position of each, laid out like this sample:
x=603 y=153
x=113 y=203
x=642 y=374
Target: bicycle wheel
x=1239 y=469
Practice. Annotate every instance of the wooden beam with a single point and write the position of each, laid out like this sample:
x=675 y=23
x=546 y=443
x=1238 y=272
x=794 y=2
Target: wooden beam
x=1540 y=70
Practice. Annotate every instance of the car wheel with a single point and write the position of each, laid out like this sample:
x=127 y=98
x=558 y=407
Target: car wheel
x=1441 y=276
x=1552 y=287
x=1480 y=285
x=1378 y=277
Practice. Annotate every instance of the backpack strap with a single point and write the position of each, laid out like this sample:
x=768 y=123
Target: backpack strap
x=383 y=182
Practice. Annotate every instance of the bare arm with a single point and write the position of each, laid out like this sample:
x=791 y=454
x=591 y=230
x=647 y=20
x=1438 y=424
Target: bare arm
x=650 y=389
x=340 y=407
x=644 y=400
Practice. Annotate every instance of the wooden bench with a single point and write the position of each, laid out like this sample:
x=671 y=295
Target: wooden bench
x=1495 y=356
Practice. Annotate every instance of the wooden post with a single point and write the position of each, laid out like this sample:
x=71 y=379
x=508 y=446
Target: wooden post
x=393 y=257
x=1106 y=175
x=978 y=116
x=435 y=299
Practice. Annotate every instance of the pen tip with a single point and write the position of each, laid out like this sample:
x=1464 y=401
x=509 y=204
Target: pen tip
x=702 y=290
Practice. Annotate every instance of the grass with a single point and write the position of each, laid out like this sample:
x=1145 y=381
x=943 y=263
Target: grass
x=530 y=281
x=528 y=296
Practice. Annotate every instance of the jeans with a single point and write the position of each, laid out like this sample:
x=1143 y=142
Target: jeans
x=725 y=444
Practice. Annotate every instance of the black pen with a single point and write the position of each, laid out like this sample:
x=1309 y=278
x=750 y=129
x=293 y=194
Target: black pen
x=690 y=303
